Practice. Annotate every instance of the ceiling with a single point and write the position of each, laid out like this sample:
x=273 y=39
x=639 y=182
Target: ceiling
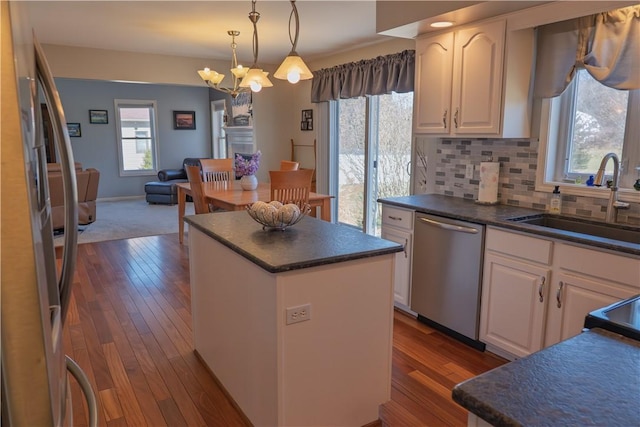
x=199 y=28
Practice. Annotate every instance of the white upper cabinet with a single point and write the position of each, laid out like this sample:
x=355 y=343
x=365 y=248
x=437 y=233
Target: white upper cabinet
x=474 y=81
x=434 y=65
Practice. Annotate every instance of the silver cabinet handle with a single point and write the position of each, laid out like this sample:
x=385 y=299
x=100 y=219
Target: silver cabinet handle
x=395 y=218
x=444 y=118
x=451 y=227
x=406 y=242
x=455 y=118
x=559 y=294
x=541 y=287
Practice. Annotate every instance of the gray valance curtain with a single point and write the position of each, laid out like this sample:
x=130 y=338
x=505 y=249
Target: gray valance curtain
x=376 y=76
x=607 y=45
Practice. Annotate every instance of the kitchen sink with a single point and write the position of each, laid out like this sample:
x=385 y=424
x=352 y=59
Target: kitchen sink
x=576 y=225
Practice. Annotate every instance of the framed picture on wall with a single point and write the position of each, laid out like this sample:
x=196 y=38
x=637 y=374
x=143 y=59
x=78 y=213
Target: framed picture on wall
x=74 y=130
x=184 y=120
x=99 y=117
x=307 y=120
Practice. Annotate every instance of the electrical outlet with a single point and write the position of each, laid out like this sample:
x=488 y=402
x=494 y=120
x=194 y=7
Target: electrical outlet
x=469 y=172
x=298 y=314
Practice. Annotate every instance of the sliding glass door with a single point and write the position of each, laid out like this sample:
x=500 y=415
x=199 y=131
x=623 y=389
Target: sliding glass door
x=371 y=154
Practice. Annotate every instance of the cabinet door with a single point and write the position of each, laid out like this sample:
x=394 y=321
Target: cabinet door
x=513 y=305
x=402 y=277
x=572 y=298
x=477 y=65
x=434 y=63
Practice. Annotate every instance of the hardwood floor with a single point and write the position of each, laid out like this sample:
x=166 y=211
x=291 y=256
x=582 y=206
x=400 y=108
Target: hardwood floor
x=129 y=328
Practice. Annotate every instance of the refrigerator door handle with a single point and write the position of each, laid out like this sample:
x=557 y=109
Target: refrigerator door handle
x=82 y=379
x=67 y=166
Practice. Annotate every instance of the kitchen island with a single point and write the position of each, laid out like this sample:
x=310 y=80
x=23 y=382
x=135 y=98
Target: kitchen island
x=296 y=325
x=592 y=379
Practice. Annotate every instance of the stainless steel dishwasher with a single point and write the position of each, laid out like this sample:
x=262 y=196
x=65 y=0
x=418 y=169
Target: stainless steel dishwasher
x=447 y=275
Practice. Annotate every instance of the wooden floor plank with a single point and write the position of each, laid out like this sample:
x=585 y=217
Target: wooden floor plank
x=129 y=328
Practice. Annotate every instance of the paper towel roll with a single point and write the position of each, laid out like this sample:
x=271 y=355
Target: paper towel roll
x=489 y=174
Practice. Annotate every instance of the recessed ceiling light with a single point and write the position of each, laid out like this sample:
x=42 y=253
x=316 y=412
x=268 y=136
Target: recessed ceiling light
x=442 y=24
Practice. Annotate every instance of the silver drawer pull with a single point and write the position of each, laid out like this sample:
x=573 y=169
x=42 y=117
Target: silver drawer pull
x=541 y=287
x=395 y=218
x=559 y=294
x=406 y=242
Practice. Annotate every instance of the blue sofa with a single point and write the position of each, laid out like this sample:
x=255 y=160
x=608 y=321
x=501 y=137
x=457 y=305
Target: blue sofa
x=164 y=190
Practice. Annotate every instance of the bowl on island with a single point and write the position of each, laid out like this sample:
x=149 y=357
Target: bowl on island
x=276 y=215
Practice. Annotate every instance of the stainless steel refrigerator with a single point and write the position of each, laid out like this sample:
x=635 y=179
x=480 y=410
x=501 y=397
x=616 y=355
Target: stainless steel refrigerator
x=35 y=294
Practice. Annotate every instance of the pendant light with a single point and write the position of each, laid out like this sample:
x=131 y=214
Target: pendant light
x=293 y=67
x=213 y=78
x=255 y=78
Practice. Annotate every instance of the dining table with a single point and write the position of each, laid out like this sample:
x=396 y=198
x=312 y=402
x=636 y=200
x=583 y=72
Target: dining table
x=230 y=196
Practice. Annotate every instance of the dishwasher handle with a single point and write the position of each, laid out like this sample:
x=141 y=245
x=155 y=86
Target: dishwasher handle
x=451 y=227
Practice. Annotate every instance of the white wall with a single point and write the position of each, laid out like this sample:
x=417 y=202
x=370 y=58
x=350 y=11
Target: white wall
x=276 y=111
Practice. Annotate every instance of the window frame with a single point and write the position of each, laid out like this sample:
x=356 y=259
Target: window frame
x=137 y=103
x=555 y=114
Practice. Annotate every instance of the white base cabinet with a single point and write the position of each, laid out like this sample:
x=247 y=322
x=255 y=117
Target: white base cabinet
x=397 y=226
x=536 y=292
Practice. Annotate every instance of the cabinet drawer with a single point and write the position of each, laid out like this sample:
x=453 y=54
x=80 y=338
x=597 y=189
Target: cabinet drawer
x=603 y=265
x=518 y=245
x=397 y=217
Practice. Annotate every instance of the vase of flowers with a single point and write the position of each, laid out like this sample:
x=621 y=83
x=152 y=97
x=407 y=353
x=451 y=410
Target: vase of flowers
x=247 y=168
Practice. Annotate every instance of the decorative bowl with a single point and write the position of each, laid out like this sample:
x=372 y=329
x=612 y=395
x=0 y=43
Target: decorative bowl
x=276 y=216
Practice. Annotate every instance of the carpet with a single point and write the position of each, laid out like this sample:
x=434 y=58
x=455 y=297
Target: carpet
x=128 y=218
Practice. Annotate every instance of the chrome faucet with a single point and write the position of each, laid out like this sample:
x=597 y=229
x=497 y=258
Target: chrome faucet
x=614 y=204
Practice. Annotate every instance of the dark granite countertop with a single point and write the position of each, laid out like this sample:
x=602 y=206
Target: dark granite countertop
x=309 y=243
x=592 y=379
x=498 y=215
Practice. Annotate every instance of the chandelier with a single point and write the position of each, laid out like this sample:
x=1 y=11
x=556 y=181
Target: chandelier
x=255 y=78
x=293 y=67
x=213 y=78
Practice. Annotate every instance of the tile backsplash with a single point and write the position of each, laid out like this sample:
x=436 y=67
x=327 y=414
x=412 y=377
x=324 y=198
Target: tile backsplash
x=518 y=166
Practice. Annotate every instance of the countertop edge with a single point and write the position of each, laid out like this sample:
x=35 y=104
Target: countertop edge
x=569 y=236
x=298 y=265
x=497 y=408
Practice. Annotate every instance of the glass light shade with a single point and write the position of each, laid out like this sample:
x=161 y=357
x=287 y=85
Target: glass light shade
x=293 y=69
x=239 y=71
x=209 y=75
x=256 y=79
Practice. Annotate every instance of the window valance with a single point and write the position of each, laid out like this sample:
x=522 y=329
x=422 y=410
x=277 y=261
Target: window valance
x=606 y=44
x=376 y=76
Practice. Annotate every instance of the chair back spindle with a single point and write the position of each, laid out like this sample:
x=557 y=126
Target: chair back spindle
x=217 y=170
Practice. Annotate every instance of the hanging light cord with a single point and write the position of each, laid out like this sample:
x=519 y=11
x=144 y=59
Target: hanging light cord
x=294 y=14
x=254 y=17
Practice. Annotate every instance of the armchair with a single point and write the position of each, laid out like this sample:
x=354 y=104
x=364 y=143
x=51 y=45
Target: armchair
x=87 y=191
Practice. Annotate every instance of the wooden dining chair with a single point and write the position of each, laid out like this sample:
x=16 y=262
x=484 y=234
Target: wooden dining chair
x=217 y=170
x=197 y=189
x=291 y=186
x=286 y=165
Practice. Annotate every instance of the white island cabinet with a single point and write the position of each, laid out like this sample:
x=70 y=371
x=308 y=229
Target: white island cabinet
x=296 y=324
